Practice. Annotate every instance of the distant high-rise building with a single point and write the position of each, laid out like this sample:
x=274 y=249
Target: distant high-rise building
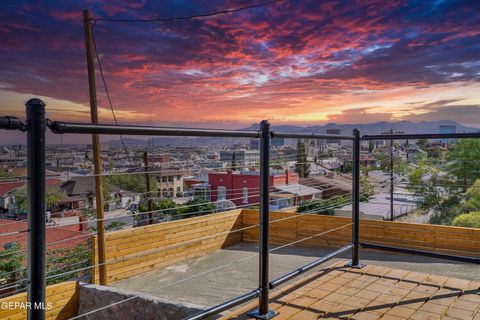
x=243 y=157
x=274 y=142
x=277 y=142
x=387 y=142
x=333 y=131
x=447 y=129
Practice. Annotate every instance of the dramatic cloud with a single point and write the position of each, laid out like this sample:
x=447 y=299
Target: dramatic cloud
x=362 y=115
x=293 y=62
x=441 y=110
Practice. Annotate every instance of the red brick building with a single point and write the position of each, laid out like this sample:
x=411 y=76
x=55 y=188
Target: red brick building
x=243 y=188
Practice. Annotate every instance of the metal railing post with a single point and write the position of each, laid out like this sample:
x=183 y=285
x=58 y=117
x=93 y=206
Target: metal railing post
x=263 y=312
x=392 y=210
x=355 y=263
x=36 y=209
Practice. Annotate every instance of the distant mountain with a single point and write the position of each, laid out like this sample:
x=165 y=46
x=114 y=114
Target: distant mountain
x=373 y=128
x=369 y=128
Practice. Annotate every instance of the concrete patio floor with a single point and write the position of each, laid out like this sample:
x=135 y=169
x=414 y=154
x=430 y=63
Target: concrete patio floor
x=191 y=281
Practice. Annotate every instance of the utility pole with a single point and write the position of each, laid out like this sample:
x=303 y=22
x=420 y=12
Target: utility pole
x=392 y=217
x=97 y=160
x=147 y=186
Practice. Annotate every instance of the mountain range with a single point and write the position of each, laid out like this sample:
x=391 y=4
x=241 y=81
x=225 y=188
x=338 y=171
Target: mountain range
x=369 y=128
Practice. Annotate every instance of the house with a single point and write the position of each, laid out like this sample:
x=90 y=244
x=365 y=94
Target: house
x=378 y=206
x=169 y=180
x=160 y=160
x=7 y=199
x=77 y=193
x=414 y=151
x=437 y=151
x=330 y=187
x=385 y=151
x=58 y=237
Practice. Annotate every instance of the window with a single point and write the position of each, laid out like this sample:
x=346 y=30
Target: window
x=221 y=193
x=245 y=195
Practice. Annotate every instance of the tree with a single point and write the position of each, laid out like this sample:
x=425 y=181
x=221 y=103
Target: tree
x=399 y=165
x=161 y=207
x=11 y=264
x=130 y=182
x=469 y=220
x=347 y=167
x=371 y=146
x=21 y=198
x=464 y=162
x=471 y=200
x=429 y=185
x=195 y=207
x=115 y=225
x=53 y=197
x=323 y=207
x=422 y=144
x=302 y=168
x=68 y=263
x=366 y=189
x=234 y=164
x=4 y=173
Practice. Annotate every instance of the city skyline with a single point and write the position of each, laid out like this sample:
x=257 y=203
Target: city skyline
x=289 y=62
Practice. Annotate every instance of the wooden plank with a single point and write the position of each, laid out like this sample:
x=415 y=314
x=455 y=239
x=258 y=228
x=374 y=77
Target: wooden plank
x=62 y=295
x=184 y=237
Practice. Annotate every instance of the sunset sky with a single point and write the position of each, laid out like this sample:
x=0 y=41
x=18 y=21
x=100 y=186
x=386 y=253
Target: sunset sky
x=295 y=62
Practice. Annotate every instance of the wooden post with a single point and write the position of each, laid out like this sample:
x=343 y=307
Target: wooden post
x=147 y=186
x=97 y=161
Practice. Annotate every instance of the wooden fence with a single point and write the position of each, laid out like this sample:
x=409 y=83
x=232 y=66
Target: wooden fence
x=136 y=251
x=63 y=298
x=139 y=250
x=444 y=239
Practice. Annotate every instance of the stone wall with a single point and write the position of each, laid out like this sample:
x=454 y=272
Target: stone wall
x=136 y=306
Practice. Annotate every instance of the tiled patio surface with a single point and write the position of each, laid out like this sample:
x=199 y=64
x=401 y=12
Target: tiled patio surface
x=374 y=292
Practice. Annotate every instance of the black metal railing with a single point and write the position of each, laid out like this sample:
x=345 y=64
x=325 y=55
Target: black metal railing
x=36 y=127
x=407 y=136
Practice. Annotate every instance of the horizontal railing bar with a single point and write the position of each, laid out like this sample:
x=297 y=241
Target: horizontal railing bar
x=60 y=127
x=310 y=136
x=421 y=253
x=225 y=306
x=311 y=265
x=10 y=123
x=413 y=136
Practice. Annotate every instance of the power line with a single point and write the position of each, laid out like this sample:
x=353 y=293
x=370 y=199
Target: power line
x=195 y=16
x=108 y=93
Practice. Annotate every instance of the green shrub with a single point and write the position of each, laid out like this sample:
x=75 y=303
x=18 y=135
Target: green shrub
x=323 y=207
x=470 y=220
